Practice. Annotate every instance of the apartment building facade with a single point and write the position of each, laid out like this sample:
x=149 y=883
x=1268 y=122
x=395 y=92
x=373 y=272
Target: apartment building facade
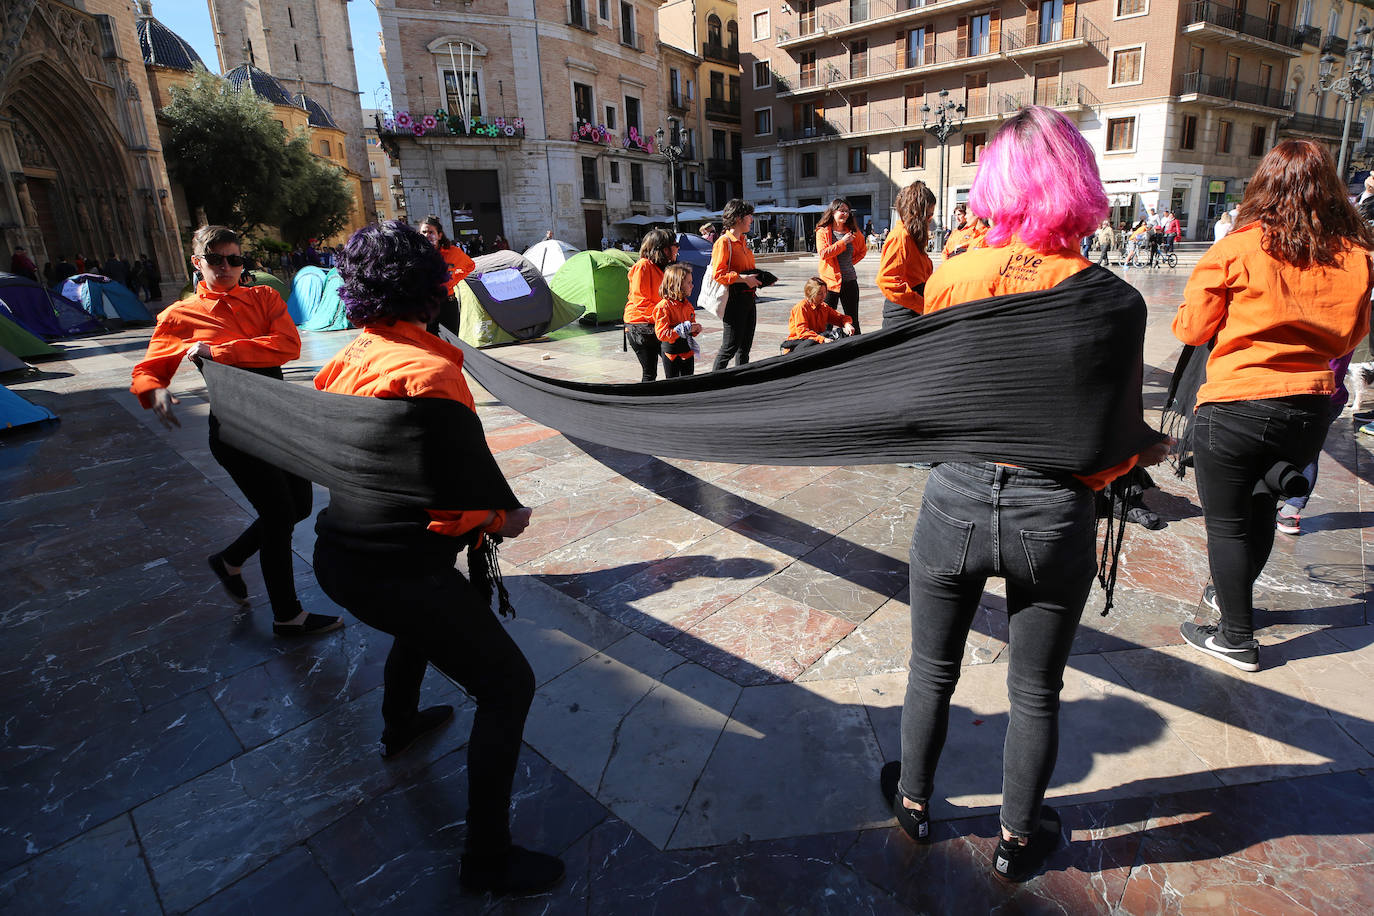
x=522 y=116
x=383 y=173
x=710 y=30
x=1179 y=99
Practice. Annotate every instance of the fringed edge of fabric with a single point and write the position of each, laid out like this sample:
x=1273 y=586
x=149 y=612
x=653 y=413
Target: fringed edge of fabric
x=1115 y=534
x=484 y=572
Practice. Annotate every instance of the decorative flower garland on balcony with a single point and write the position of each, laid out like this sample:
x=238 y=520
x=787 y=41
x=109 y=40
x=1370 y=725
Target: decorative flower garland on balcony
x=446 y=125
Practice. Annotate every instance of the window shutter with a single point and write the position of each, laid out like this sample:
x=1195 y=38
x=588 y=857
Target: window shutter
x=796 y=117
x=1032 y=22
x=930 y=44
x=961 y=38
x=994 y=31
x=1069 y=19
x=901 y=50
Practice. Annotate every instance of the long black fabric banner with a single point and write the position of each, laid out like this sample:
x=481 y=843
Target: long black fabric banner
x=1049 y=380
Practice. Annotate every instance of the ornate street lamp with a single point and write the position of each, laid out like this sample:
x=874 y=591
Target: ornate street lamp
x=674 y=152
x=1352 y=87
x=949 y=119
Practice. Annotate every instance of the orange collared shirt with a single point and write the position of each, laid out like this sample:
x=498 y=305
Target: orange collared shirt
x=406 y=361
x=830 y=250
x=668 y=314
x=247 y=327
x=730 y=256
x=645 y=279
x=1012 y=268
x=972 y=234
x=459 y=265
x=1277 y=326
x=903 y=267
x=810 y=320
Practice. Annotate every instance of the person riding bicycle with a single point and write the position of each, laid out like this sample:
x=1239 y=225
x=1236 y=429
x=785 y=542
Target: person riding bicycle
x=1172 y=231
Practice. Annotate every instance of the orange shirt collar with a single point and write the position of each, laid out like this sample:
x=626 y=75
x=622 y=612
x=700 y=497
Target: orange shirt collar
x=415 y=335
x=204 y=291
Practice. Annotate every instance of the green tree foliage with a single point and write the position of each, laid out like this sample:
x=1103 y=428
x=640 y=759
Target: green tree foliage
x=234 y=160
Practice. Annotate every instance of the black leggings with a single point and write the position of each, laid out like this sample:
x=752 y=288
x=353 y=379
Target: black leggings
x=741 y=317
x=281 y=499
x=640 y=335
x=677 y=368
x=847 y=298
x=439 y=618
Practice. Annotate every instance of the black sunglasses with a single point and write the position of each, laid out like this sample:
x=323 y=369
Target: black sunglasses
x=215 y=260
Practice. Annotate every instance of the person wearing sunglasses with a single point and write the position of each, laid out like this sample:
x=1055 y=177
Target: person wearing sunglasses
x=248 y=327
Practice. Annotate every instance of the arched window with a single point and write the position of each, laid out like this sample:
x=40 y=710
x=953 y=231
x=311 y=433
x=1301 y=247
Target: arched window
x=732 y=30
x=713 y=30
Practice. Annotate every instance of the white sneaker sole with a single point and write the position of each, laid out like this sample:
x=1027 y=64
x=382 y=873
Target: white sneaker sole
x=1227 y=658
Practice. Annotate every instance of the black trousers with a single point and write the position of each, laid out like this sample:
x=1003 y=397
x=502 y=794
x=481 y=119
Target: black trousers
x=800 y=343
x=439 y=618
x=281 y=499
x=847 y=298
x=894 y=314
x=677 y=368
x=645 y=344
x=447 y=317
x=1235 y=443
x=741 y=317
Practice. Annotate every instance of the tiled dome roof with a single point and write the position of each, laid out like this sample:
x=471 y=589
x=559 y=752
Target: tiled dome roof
x=264 y=85
x=319 y=115
x=164 y=48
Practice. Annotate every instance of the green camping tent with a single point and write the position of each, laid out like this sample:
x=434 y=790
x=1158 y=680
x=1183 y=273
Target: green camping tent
x=21 y=343
x=266 y=278
x=599 y=281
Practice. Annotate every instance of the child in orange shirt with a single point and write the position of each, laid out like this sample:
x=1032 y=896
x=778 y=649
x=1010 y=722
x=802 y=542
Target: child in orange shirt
x=674 y=322
x=812 y=321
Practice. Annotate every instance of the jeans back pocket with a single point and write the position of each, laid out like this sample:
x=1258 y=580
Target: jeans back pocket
x=941 y=541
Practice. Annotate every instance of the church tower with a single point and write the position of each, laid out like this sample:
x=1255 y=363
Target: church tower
x=307 y=45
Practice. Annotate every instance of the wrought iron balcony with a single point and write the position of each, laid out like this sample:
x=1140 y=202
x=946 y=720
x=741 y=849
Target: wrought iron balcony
x=677 y=101
x=722 y=109
x=690 y=195
x=1232 y=19
x=1334 y=44
x=1219 y=87
x=821 y=128
x=719 y=53
x=1312 y=124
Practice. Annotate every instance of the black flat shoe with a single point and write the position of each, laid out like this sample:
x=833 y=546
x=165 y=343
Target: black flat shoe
x=915 y=823
x=515 y=872
x=233 y=582
x=425 y=721
x=313 y=625
x=1014 y=863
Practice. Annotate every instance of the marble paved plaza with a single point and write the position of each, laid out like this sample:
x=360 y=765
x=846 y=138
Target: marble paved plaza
x=720 y=652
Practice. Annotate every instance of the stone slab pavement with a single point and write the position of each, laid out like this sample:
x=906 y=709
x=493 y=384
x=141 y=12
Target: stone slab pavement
x=720 y=652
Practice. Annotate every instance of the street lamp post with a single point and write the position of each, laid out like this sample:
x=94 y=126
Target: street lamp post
x=941 y=128
x=674 y=152
x=1352 y=87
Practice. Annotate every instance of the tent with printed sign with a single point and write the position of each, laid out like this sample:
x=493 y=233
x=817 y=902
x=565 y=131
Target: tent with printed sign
x=695 y=252
x=16 y=412
x=328 y=314
x=307 y=288
x=549 y=255
x=21 y=343
x=105 y=298
x=506 y=299
x=41 y=311
x=599 y=281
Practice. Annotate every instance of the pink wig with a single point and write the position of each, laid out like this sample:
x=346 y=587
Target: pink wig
x=1038 y=182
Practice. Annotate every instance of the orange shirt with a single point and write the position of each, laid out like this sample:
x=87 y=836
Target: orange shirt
x=1276 y=325
x=903 y=267
x=810 y=320
x=729 y=256
x=645 y=279
x=668 y=314
x=406 y=361
x=830 y=250
x=1013 y=268
x=459 y=265
x=972 y=234
x=247 y=326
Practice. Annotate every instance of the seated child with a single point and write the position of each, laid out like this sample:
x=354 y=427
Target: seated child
x=813 y=322
x=674 y=322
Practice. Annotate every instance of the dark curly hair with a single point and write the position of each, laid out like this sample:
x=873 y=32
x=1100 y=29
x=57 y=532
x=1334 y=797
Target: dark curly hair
x=390 y=273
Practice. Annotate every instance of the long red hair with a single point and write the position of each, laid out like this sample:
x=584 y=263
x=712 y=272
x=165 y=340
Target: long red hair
x=1302 y=207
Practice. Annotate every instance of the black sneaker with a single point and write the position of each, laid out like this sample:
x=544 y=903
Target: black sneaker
x=1209 y=640
x=233 y=582
x=1015 y=863
x=313 y=625
x=425 y=721
x=515 y=872
x=1209 y=598
x=915 y=823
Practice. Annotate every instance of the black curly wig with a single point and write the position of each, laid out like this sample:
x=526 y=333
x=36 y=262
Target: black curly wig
x=390 y=273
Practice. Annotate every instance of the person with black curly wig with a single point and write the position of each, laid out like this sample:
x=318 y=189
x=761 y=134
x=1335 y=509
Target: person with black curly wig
x=394 y=568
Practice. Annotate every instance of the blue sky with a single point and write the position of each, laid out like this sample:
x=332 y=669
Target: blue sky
x=191 y=20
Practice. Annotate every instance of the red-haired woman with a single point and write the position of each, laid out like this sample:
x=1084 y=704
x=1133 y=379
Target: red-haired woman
x=841 y=245
x=1284 y=293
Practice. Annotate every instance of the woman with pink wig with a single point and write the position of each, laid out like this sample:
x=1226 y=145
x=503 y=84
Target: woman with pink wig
x=1038 y=185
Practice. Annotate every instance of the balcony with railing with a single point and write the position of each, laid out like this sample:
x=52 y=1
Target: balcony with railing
x=1066 y=96
x=864 y=15
x=1229 y=93
x=810 y=28
x=1311 y=35
x=677 y=102
x=1334 y=44
x=933 y=57
x=1233 y=25
x=819 y=129
x=1314 y=126
x=690 y=195
x=633 y=40
x=580 y=18
x=439 y=124
x=1050 y=36
x=717 y=167
x=720 y=53
x=722 y=109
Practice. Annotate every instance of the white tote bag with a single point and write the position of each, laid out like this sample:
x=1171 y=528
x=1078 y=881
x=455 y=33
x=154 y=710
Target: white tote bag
x=713 y=295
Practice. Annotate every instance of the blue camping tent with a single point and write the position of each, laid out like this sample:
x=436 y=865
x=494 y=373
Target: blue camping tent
x=40 y=311
x=16 y=412
x=328 y=314
x=695 y=252
x=105 y=298
x=306 y=289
